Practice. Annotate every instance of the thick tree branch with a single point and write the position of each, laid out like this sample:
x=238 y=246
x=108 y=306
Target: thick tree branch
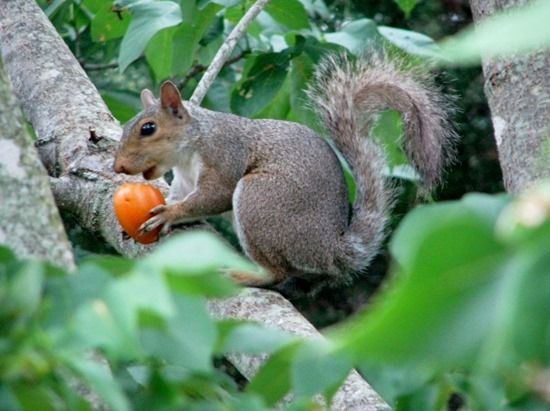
x=64 y=106
x=225 y=51
x=29 y=221
x=518 y=91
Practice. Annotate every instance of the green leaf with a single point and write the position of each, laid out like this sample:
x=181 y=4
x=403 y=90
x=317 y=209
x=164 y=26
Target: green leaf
x=160 y=50
x=411 y=41
x=225 y=3
x=422 y=220
x=115 y=265
x=108 y=24
x=302 y=70
x=99 y=379
x=252 y=338
x=33 y=397
x=388 y=130
x=123 y=104
x=450 y=264
x=189 y=337
x=164 y=52
x=6 y=255
x=515 y=30
x=279 y=106
x=355 y=36
x=273 y=380
x=316 y=369
x=289 y=13
x=407 y=6
x=25 y=288
x=109 y=317
x=148 y=18
x=194 y=253
x=261 y=84
x=208 y=284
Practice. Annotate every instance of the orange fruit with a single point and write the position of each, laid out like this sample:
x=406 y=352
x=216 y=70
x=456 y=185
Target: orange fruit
x=133 y=202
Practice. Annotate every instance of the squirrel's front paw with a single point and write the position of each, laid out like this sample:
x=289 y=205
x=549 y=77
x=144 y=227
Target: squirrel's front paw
x=163 y=215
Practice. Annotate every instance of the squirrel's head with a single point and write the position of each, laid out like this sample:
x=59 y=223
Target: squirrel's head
x=152 y=140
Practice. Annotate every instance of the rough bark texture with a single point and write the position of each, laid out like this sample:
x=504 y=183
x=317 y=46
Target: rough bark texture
x=518 y=90
x=271 y=309
x=64 y=106
x=29 y=221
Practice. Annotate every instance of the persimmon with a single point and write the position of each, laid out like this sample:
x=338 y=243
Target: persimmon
x=133 y=202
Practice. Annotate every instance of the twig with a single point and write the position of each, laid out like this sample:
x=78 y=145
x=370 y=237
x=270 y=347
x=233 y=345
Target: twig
x=95 y=67
x=199 y=68
x=225 y=51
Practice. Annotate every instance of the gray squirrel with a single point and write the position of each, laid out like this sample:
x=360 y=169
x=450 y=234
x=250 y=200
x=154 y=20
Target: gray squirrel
x=283 y=182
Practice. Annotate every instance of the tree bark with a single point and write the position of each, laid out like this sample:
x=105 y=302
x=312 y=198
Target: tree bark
x=272 y=310
x=29 y=220
x=518 y=91
x=77 y=137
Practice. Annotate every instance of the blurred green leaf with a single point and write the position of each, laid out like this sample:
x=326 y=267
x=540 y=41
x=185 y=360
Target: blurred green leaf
x=25 y=288
x=208 y=284
x=273 y=380
x=123 y=104
x=189 y=338
x=407 y=6
x=516 y=30
x=355 y=36
x=6 y=256
x=32 y=397
x=289 y=13
x=97 y=377
x=194 y=253
x=450 y=266
x=252 y=338
x=316 y=369
x=388 y=130
x=411 y=41
x=116 y=265
x=148 y=18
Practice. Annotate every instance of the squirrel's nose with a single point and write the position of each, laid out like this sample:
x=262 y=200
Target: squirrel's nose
x=119 y=168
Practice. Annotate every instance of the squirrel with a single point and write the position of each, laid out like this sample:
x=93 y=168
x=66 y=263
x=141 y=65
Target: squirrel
x=284 y=182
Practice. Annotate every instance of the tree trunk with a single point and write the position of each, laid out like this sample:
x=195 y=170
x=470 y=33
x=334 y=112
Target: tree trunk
x=77 y=136
x=518 y=90
x=29 y=221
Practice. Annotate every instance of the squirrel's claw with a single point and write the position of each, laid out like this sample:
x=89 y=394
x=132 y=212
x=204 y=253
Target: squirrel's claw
x=161 y=216
x=151 y=224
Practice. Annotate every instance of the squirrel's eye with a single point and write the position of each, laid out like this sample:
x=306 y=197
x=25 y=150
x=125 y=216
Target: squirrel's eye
x=148 y=128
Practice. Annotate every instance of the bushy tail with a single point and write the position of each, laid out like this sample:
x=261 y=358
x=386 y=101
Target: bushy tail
x=347 y=95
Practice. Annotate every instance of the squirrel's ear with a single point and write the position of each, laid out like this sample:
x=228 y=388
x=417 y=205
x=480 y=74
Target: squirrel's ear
x=147 y=98
x=170 y=99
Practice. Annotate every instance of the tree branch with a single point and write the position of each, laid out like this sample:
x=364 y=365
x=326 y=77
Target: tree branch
x=29 y=220
x=225 y=51
x=98 y=67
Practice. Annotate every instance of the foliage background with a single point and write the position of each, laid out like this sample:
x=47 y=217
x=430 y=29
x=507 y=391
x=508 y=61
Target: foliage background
x=444 y=332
